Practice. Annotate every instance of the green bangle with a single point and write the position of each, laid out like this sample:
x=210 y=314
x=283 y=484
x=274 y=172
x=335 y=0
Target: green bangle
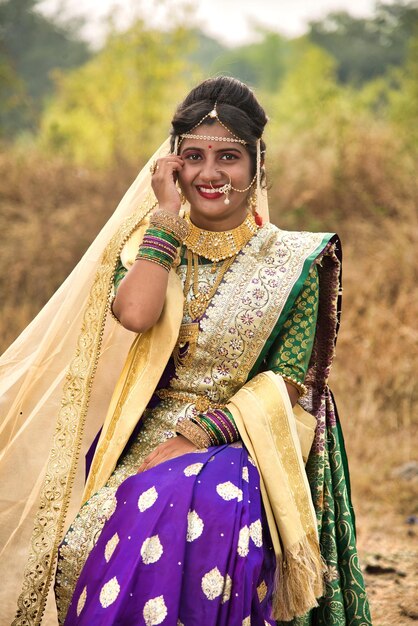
x=163 y=234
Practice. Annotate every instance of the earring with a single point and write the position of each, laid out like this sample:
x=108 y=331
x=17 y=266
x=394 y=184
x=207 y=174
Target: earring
x=252 y=200
x=183 y=198
x=252 y=206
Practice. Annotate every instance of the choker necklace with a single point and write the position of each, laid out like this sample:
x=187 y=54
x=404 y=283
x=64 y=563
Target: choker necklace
x=217 y=246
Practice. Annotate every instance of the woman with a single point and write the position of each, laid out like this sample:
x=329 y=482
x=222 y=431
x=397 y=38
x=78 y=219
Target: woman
x=197 y=507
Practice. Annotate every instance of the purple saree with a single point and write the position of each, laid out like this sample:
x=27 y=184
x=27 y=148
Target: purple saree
x=186 y=544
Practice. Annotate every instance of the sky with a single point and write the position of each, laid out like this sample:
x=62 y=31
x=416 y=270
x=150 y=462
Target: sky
x=230 y=21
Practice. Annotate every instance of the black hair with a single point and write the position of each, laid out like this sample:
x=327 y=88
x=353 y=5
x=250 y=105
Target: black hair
x=237 y=108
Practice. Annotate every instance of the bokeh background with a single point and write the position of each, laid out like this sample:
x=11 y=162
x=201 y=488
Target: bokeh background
x=85 y=101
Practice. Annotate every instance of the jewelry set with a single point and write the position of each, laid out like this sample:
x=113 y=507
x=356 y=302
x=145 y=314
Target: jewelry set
x=212 y=424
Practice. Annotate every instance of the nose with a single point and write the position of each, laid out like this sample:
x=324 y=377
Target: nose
x=209 y=172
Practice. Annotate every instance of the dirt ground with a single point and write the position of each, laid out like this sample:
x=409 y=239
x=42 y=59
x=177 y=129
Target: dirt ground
x=388 y=546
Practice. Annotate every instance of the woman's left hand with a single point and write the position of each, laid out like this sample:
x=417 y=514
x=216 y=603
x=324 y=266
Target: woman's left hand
x=168 y=450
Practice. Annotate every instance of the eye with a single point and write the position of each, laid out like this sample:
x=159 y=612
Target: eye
x=192 y=156
x=229 y=156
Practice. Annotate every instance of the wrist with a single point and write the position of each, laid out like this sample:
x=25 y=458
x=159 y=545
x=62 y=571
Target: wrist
x=171 y=222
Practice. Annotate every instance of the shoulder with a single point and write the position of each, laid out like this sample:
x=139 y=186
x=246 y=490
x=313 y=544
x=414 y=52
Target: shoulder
x=276 y=241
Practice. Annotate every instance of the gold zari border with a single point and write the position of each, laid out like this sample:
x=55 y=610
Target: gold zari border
x=62 y=462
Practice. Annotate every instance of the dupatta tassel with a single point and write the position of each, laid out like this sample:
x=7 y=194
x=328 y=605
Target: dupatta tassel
x=299 y=580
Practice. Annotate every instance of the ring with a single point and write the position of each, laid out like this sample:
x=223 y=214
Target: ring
x=154 y=167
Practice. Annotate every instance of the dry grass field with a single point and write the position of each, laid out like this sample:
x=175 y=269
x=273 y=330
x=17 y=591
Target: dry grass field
x=49 y=212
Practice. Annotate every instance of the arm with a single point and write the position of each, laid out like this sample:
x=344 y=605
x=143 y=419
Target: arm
x=140 y=297
x=291 y=350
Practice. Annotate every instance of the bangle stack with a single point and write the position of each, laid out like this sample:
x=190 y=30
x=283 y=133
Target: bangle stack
x=194 y=433
x=162 y=239
x=158 y=246
x=213 y=428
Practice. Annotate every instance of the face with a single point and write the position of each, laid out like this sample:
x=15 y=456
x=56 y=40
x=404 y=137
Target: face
x=208 y=165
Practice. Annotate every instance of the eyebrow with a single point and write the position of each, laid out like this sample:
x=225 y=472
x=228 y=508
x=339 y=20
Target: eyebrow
x=218 y=150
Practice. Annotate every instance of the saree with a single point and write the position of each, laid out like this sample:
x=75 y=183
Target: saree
x=99 y=335
x=256 y=268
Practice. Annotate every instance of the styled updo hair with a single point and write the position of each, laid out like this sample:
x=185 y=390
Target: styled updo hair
x=237 y=108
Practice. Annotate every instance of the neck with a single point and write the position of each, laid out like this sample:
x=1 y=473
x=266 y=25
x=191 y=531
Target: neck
x=218 y=224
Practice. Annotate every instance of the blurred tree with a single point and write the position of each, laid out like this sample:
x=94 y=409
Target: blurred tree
x=118 y=105
x=206 y=51
x=365 y=48
x=261 y=64
x=403 y=100
x=30 y=47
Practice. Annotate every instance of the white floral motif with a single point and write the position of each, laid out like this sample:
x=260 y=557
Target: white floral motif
x=155 y=611
x=108 y=508
x=213 y=584
x=109 y=592
x=247 y=621
x=147 y=499
x=256 y=533
x=111 y=547
x=245 y=474
x=251 y=460
x=193 y=470
x=194 y=526
x=81 y=601
x=151 y=550
x=227 y=589
x=243 y=541
x=229 y=491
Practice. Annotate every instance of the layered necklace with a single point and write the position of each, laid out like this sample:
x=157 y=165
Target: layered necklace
x=214 y=246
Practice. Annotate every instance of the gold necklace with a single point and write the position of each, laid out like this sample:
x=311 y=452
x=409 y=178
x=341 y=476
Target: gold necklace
x=185 y=349
x=217 y=246
x=200 y=300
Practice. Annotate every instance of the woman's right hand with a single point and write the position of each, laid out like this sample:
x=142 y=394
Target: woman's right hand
x=163 y=182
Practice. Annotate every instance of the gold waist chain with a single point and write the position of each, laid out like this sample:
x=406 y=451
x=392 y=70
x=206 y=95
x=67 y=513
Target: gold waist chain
x=202 y=403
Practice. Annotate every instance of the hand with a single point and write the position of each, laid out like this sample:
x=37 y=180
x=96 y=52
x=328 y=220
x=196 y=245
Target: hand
x=168 y=450
x=163 y=182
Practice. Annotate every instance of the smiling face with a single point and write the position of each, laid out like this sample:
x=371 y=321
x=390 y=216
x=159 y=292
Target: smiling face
x=208 y=165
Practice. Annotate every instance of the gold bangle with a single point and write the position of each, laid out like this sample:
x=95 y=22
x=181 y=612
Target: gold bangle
x=171 y=222
x=193 y=433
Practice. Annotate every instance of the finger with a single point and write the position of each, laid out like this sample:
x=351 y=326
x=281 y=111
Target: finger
x=148 y=460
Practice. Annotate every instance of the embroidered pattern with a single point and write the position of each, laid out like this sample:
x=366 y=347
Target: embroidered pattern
x=147 y=499
x=256 y=533
x=227 y=589
x=262 y=591
x=193 y=470
x=81 y=601
x=195 y=526
x=229 y=491
x=213 y=584
x=155 y=611
x=111 y=547
x=151 y=550
x=109 y=592
x=243 y=541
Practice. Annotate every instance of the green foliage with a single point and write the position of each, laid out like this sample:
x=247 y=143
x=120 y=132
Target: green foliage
x=403 y=101
x=365 y=47
x=31 y=46
x=261 y=64
x=119 y=104
x=309 y=94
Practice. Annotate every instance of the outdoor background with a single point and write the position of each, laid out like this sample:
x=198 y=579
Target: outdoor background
x=80 y=114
